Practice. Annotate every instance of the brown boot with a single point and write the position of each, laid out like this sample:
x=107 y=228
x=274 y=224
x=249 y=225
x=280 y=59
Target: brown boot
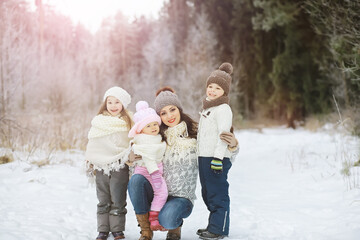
x=146 y=232
x=174 y=234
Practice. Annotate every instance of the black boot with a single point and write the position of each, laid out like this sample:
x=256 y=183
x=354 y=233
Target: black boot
x=200 y=231
x=118 y=235
x=102 y=236
x=206 y=235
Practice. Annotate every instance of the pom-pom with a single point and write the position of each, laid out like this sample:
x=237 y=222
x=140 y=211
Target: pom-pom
x=140 y=105
x=226 y=67
x=170 y=89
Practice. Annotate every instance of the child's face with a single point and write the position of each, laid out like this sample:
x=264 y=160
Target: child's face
x=170 y=115
x=152 y=128
x=214 y=91
x=113 y=106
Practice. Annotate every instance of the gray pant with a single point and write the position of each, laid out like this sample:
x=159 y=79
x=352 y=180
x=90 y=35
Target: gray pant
x=111 y=193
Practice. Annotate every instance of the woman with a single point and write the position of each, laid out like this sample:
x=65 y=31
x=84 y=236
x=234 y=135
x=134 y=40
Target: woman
x=180 y=168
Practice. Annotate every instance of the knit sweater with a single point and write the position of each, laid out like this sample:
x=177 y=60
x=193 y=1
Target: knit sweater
x=151 y=148
x=108 y=145
x=214 y=121
x=180 y=163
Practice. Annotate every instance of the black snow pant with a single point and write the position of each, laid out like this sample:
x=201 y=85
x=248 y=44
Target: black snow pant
x=215 y=193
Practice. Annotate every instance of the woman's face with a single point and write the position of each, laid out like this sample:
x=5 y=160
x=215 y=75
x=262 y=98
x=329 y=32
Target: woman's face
x=170 y=115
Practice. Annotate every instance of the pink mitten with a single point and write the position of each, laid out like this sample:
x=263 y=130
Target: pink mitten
x=156 y=179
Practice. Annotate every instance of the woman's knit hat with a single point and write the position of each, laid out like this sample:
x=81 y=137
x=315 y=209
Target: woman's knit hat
x=120 y=94
x=143 y=116
x=164 y=97
x=222 y=77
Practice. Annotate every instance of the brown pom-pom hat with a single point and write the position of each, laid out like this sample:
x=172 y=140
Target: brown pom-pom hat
x=222 y=77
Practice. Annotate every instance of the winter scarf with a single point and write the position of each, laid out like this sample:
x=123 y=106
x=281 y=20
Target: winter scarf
x=216 y=102
x=103 y=125
x=152 y=150
x=177 y=137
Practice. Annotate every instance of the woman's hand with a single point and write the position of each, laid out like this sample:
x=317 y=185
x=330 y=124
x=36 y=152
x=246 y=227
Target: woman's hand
x=229 y=139
x=134 y=157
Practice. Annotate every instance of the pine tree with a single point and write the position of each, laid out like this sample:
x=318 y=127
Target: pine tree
x=220 y=14
x=199 y=57
x=338 y=23
x=178 y=19
x=299 y=88
x=244 y=59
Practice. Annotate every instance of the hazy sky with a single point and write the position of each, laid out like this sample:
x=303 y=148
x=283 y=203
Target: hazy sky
x=91 y=12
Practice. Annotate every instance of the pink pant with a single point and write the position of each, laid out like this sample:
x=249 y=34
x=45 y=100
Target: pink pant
x=160 y=194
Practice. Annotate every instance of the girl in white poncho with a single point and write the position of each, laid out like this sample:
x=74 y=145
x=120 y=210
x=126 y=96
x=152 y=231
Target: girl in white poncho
x=148 y=143
x=106 y=153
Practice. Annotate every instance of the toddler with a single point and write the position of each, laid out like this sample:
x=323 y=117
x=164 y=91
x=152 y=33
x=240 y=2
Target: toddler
x=148 y=143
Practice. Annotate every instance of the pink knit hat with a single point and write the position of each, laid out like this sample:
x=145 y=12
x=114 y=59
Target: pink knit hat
x=143 y=116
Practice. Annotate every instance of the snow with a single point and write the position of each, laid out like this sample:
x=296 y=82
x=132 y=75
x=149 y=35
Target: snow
x=284 y=184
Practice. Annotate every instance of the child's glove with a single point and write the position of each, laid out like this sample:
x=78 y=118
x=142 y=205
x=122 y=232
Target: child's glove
x=156 y=179
x=216 y=165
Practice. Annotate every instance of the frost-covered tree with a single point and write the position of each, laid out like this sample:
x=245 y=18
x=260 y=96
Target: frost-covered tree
x=17 y=52
x=177 y=18
x=159 y=55
x=220 y=14
x=101 y=70
x=199 y=60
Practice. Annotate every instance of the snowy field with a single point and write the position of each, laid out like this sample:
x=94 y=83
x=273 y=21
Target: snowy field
x=285 y=184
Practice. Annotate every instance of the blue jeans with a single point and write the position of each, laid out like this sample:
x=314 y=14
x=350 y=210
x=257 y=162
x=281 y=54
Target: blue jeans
x=171 y=215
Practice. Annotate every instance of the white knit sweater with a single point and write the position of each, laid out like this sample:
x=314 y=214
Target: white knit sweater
x=151 y=148
x=214 y=121
x=180 y=163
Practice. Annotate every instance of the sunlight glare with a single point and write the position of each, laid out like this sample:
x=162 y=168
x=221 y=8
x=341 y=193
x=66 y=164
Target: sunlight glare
x=91 y=12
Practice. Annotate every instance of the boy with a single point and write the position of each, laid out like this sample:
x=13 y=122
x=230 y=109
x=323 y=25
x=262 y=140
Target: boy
x=213 y=154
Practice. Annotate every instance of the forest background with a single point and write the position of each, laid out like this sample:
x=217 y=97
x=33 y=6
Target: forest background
x=294 y=61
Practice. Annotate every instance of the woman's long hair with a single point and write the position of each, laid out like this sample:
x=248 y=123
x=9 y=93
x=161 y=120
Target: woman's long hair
x=192 y=126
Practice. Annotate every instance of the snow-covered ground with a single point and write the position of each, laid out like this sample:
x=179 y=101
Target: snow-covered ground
x=284 y=184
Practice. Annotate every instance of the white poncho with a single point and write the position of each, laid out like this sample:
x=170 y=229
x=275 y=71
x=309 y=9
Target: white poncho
x=107 y=148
